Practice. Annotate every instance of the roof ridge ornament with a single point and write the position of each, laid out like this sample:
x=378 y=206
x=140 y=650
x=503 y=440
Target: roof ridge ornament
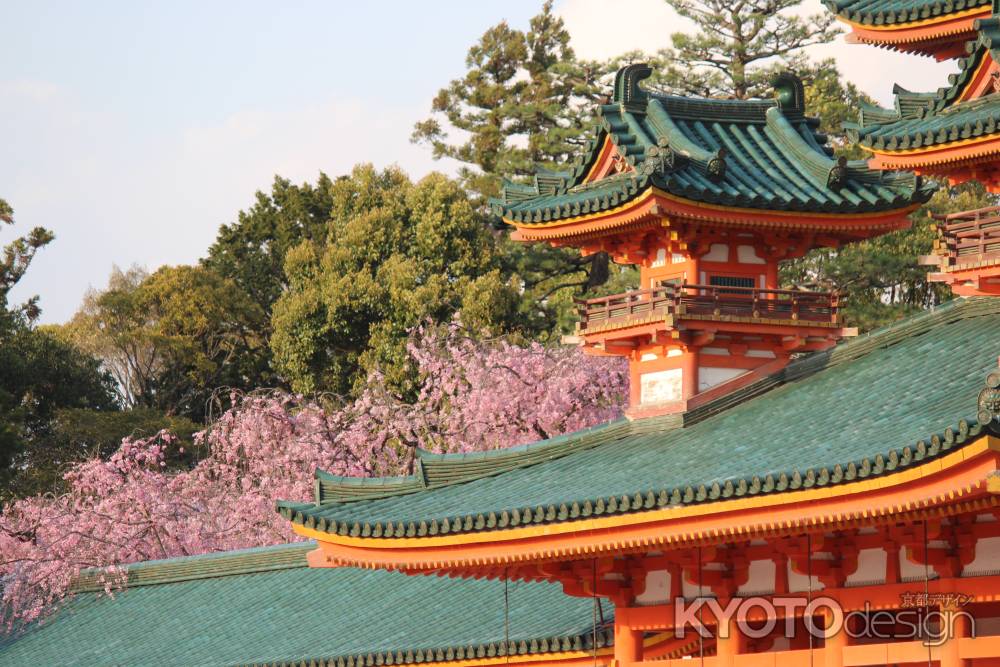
x=789 y=92
x=989 y=400
x=837 y=177
x=628 y=92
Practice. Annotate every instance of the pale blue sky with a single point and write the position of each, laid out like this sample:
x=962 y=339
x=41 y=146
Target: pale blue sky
x=134 y=129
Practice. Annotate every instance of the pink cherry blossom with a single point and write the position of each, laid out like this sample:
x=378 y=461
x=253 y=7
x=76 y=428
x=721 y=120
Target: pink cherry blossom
x=472 y=395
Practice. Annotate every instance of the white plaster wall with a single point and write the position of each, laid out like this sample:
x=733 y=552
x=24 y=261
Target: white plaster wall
x=761 y=577
x=987 y=556
x=871 y=566
x=657 y=588
x=799 y=583
x=708 y=376
x=661 y=386
x=910 y=570
x=719 y=252
x=747 y=254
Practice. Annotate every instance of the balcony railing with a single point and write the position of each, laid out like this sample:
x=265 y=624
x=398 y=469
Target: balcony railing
x=968 y=237
x=709 y=301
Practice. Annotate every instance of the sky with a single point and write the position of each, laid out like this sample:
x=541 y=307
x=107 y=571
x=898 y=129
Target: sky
x=133 y=130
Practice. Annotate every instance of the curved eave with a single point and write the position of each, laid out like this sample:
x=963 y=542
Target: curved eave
x=481 y=656
x=566 y=651
x=962 y=480
x=656 y=205
x=925 y=29
x=936 y=155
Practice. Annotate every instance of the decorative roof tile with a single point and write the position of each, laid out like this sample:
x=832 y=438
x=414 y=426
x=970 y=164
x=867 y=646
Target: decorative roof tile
x=760 y=154
x=895 y=12
x=920 y=120
x=266 y=607
x=866 y=408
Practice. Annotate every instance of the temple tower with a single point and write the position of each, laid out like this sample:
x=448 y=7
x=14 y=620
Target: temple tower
x=952 y=134
x=707 y=197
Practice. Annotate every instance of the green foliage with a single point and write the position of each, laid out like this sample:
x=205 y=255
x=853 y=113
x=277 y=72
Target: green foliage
x=521 y=104
x=171 y=338
x=395 y=254
x=882 y=277
x=524 y=103
x=14 y=262
x=834 y=101
x=738 y=46
x=251 y=251
x=75 y=434
x=40 y=375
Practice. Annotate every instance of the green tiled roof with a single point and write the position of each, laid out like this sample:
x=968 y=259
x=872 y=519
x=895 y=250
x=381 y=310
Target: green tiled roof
x=891 y=12
x=266 y=607
x=926 y=119
x=870 y=407
x=762 y=154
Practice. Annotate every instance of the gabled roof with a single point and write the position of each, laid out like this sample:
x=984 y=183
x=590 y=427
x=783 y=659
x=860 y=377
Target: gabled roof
x=885 y=13
x=872 y=407
x=925 y=120
x=758 y=154
x=266 y=607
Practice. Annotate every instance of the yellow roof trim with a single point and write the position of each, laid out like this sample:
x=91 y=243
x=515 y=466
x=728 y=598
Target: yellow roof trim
x=654 y=191
x=983 y=444
x=917 y=24
x=937 y=147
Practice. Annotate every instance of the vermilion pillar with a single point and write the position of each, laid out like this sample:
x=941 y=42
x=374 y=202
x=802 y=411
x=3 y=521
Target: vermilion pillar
x=730 y=646
x=835 y=644
x=950 y=656
x=689 y=379
x=628 y=644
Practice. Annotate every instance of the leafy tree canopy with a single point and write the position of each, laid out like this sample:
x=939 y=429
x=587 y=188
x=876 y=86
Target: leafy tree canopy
x=251 y=251
x=39 y=375
x=395 y=254
x=172 y=337
x=882 y=278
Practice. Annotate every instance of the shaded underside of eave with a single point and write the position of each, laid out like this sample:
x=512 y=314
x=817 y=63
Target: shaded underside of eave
x=888 y=14
x=858 y=428
x=263 y=611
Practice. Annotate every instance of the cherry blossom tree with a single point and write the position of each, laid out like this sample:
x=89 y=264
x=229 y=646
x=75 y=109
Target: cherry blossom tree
x=472 y=395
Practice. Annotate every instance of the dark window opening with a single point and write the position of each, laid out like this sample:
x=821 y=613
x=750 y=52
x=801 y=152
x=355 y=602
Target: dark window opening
x=731 y=281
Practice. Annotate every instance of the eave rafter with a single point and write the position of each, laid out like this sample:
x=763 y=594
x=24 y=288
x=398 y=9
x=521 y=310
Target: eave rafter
x=942 y=37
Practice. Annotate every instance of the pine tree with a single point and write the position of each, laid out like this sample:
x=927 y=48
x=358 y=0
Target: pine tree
x=738 y=46
x=522 y=103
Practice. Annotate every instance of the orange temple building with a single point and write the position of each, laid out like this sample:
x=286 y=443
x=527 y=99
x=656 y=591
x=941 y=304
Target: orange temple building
x=774 y=498
x=951 y=134
x=781 y=492
x=707 y=197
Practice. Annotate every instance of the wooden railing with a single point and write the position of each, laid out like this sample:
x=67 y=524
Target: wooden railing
x=710 y=300
x=969 y=236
